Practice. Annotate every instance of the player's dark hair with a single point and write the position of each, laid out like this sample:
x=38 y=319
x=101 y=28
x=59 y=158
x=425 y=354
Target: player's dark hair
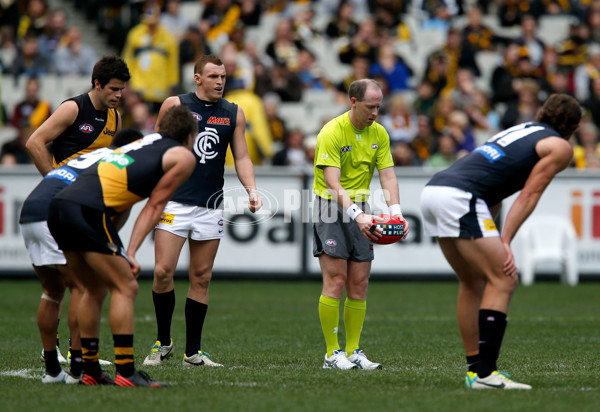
x=204 y=60
x=126 y=136
x=110 y=67
x=358 y=88
x=178 y=123
x=562 y=113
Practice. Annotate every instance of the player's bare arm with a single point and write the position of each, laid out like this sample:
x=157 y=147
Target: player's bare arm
x=364 y=221
x=57 y=123
x=243 y=165
x=178 y=164
x=555 y=154
x=389 y=184
x=167 y=104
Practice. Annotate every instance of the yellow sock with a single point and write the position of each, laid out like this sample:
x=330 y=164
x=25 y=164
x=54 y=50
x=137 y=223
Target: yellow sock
x=329 y=314
x=354 y=318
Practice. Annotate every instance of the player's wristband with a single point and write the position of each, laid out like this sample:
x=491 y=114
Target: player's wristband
x=395 y=210
x=353 y=211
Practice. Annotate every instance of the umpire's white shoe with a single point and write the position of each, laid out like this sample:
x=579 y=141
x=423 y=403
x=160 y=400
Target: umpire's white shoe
x=199 y=359
x=497 y=380
x=360 y=359
x=338 y=361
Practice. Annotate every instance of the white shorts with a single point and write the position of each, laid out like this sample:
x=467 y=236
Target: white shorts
x=42 y=248
x=195 y=222
x=452 y=212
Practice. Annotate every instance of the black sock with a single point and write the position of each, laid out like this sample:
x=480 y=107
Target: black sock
x=473 y=362
x=492 y=325
x=124 y=354
x=75 y=362
x=195 y=313
x=51 y=361
x=89 y=355
x=164 y=305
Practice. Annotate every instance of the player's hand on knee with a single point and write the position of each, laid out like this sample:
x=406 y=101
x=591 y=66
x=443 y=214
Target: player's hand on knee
x=134 y=265
x=510 y=268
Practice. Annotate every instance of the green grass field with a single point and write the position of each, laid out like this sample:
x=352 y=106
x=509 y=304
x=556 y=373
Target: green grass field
x=268 y=336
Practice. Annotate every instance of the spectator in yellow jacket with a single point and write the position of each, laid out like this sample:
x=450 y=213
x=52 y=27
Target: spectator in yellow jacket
x=152 y=54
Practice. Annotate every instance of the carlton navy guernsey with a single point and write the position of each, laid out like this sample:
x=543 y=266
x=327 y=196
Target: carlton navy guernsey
x=499 y=167
x=91 y=130
x=216 y=124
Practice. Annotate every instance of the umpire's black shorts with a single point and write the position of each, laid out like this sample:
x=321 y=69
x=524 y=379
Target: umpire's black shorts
x=83 y=229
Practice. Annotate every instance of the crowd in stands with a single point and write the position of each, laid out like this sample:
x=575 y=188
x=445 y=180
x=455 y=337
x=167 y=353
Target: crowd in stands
x=435 y=110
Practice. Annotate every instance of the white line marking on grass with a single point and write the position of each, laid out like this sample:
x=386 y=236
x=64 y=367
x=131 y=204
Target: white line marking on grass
x=21 y=373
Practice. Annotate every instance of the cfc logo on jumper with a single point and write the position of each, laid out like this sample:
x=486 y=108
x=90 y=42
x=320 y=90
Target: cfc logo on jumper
x=86 y=128
x=218 y=120
x=205 y=144
x=346 y=149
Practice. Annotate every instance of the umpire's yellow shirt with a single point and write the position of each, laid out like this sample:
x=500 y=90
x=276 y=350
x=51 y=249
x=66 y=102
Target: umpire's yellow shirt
x=355 y=152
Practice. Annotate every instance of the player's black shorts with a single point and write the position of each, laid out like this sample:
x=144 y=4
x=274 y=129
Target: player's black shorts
x=83 y=229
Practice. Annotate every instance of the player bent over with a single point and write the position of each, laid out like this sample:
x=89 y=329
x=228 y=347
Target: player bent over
x=459 y=205
x=79 y=218
x=50 y=264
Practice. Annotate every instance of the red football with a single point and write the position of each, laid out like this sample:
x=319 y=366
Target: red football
x=392 y=228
